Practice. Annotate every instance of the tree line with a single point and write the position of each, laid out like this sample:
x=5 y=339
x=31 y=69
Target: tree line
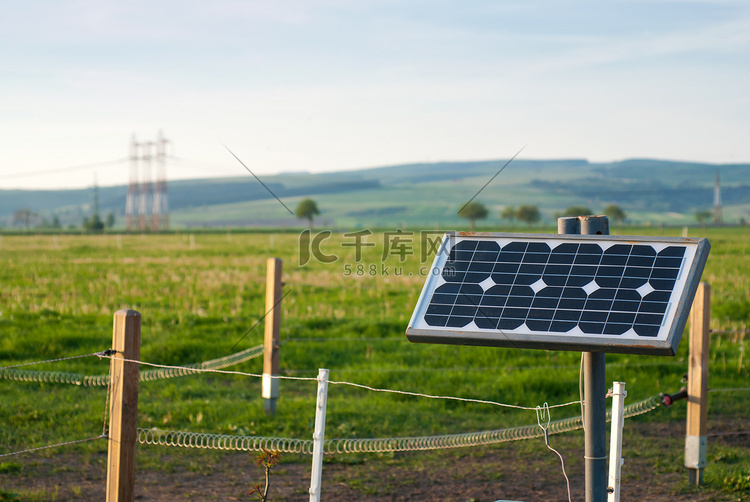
x=530 y=214
x=28 y=219
x=307 y=209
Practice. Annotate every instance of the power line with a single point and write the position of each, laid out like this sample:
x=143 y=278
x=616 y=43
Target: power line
x=62 y=169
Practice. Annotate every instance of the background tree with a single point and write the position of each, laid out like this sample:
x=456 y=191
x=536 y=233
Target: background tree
x=528 y=214
x=93 y=224
x=509 y=213
x=24 y=217
x=473 y=211
x=615 y=213
x=110 y=220
x=703 y=217
x=54 y=224
x=307 y=209
x=577 y=211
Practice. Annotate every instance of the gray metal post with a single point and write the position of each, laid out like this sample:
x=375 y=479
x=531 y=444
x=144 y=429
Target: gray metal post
x=594 y=392
x=594 y=386
x=568 y=225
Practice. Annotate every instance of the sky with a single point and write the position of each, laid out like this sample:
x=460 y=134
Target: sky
x=329 y=85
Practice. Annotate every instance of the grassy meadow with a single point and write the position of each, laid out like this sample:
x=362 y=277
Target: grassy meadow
x=200 y=294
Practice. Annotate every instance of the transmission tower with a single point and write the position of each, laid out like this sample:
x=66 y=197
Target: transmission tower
x=146 y=208
x=161 y=206
x=133 y=188
x=147 y=188
x=718 y=217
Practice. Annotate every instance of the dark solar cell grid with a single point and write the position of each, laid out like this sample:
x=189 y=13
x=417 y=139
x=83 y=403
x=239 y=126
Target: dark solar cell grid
x=602 y=292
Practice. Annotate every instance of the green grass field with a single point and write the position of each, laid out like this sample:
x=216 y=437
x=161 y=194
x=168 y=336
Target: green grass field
x=199 y=295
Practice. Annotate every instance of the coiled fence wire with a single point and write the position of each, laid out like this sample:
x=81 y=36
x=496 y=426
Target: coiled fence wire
x=42 y=376
x=340 y=446
x=223 y=442
x=144 y=376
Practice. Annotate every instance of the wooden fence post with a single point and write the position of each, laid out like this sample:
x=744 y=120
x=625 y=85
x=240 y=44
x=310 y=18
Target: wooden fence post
x=123 y=377
x=270 y=386
x=697 y=407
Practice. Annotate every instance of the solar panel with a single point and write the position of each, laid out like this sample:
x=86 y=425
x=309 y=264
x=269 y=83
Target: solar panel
x=570 y=292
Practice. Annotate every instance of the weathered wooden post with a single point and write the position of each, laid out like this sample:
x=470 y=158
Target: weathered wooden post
x=123 y=377
x=697 y=407
x=270 y=390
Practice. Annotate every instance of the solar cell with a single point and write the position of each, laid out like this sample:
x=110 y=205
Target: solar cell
x=594 y=293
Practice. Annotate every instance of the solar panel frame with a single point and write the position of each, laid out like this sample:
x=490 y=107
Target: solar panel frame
x=543 y=284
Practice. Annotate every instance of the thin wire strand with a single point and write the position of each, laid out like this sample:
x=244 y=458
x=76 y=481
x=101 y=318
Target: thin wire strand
x=106 y=406
x=259 y=181
x=259 y=320
x=366 y=387
x=562 y=464
x=468 y=400
x=208 y=370
x=490 y=181
x=144 y=376
x=543 y=418
x=62 y=169
x=52 y=360
x=52 y=446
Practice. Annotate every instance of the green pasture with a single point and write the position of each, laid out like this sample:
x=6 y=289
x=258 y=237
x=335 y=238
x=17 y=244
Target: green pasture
x=202 y=296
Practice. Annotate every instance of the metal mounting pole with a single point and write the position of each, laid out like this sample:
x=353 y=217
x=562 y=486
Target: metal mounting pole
x=594 y=386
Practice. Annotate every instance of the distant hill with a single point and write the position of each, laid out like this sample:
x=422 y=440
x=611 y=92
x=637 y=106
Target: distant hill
x=423 y=195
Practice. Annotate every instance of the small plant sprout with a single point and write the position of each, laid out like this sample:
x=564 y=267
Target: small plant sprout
x=268 y=459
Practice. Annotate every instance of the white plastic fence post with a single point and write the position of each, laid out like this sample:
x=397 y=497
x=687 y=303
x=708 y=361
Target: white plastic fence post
x=615 y=441
x=319 y=436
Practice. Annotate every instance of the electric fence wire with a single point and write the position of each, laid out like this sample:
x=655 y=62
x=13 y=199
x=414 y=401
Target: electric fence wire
x=52 y=446
x=332 y=382
x=463 y=399
x=10 y=373
x=185 y=439
x=50 y=361
x=543 y=418
x=331 y=446
x=103 y=435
